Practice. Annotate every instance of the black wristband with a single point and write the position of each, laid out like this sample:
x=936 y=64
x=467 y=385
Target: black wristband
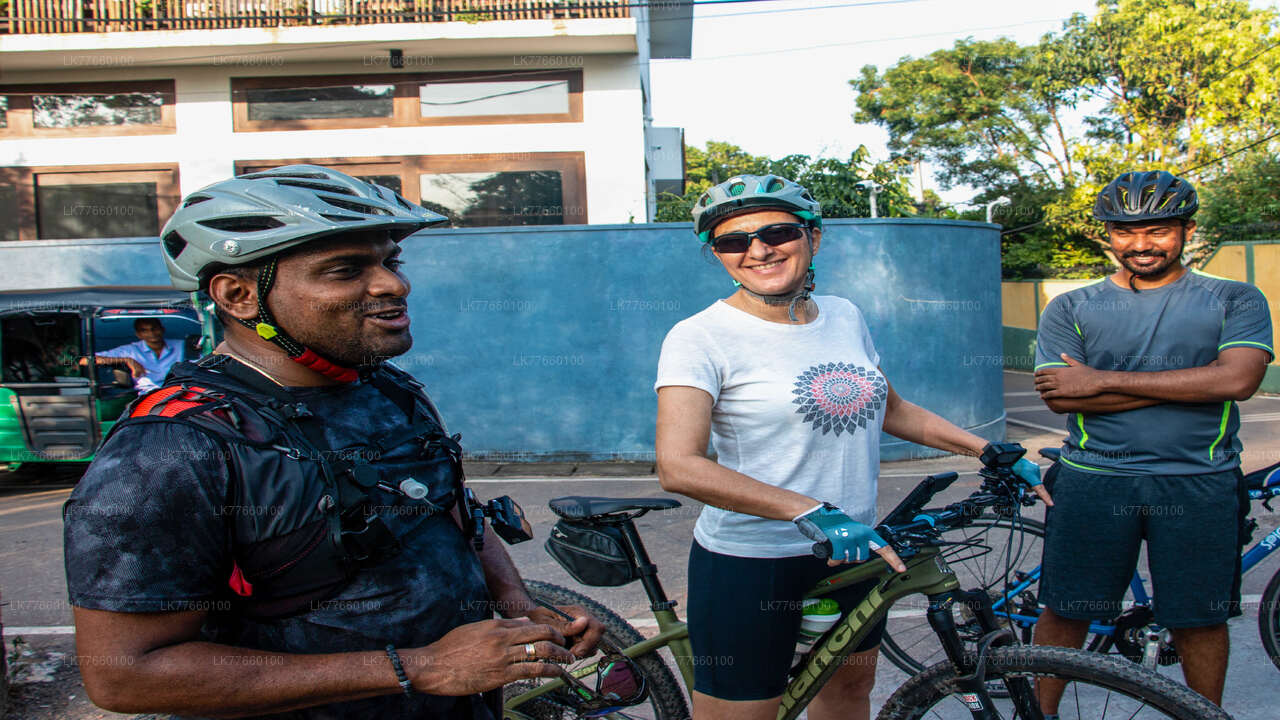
x=400 y=676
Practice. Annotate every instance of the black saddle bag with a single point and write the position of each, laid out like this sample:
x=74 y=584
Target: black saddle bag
x=594 y=555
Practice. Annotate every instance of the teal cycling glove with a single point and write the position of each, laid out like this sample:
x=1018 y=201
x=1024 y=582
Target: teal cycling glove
x=1027 y=471
x=850 y=540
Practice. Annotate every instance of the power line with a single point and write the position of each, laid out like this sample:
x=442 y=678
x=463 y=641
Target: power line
x=1237 y=151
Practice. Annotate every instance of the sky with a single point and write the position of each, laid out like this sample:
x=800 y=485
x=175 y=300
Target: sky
x=773 y=76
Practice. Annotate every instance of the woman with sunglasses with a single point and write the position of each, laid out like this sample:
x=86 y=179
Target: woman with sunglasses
x=787 y=387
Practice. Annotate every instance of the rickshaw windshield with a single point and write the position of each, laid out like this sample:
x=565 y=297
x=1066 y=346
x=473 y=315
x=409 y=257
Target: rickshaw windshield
x=42 y=347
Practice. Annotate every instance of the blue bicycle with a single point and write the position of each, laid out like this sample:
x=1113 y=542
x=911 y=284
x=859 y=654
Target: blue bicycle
x=1001 y=554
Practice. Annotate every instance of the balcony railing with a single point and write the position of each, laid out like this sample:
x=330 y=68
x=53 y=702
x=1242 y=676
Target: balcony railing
x=76 y=16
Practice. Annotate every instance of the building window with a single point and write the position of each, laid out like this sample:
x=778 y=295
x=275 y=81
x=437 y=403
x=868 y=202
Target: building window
x=549 y=96
x=519 y=197
x=320 y=103
x=72 y=203
x=362 y=101
x=473 y=190
x=72 y=109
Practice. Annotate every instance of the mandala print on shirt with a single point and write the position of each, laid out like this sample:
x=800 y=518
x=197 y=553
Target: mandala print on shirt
x=839 y=396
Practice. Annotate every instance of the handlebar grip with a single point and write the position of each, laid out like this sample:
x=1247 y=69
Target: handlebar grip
x=822 y=550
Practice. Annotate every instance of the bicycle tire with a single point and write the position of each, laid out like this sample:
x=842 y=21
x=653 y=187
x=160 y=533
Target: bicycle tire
x=666 y=697
x=910 y=643
x=1116 y=681
x=1269 y=619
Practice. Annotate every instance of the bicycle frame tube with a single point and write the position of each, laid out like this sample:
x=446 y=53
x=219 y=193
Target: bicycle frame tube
x=677 y=634
x=926 y=573
x=1265 y=547
x=1139 y=589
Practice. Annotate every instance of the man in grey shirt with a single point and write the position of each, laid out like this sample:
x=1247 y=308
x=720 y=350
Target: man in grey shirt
x=1148 y=365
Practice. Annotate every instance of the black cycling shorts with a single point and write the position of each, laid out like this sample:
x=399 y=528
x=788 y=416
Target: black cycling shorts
x=744 y=616
x=1192 y=527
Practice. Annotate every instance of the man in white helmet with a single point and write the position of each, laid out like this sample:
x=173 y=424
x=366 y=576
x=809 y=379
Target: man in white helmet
x=275 y=532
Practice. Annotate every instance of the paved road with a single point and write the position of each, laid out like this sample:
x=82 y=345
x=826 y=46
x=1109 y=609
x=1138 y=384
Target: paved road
x=32 y=585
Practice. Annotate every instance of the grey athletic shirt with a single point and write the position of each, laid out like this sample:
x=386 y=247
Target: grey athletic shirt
x=1184 y=324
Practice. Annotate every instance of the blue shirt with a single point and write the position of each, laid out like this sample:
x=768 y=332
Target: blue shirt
x=1184 y=324
x=156 y=367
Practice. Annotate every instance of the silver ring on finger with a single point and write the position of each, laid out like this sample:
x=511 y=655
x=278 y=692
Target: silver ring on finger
x=530 y=652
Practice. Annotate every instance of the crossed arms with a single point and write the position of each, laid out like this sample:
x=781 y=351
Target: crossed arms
x=1234 y=375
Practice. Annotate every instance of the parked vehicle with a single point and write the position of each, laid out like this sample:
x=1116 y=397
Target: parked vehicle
x=56 y=402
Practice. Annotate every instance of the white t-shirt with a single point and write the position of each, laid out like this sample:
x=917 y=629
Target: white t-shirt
x=796 y=406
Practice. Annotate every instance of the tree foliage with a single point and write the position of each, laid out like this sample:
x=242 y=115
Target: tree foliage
x=1180 y=85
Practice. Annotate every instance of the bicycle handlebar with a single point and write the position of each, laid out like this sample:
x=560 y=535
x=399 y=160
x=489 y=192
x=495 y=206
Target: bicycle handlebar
x=1000 y=487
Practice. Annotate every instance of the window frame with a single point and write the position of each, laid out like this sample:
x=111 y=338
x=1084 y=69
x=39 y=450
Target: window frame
x=21 y=111
x=405 y=108
x=168 y=193
x=571 y=165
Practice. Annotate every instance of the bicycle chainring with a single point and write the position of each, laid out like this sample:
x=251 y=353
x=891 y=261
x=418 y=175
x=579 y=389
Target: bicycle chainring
x=1130 y=636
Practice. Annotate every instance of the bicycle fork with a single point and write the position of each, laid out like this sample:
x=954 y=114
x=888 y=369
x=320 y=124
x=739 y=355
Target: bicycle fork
x=971 y=669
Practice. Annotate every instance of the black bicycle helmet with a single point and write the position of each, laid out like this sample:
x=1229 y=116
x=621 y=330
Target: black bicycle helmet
x=1148 y=195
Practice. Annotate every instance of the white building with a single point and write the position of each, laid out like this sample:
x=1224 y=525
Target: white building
x=498 y=113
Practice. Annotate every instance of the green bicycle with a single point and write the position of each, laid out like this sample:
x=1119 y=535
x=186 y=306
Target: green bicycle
x=959 y=687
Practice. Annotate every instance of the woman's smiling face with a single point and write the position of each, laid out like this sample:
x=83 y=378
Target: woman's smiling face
x=766 y=269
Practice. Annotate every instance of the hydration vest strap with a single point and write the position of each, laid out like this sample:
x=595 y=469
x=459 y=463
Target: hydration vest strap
x=152 y=399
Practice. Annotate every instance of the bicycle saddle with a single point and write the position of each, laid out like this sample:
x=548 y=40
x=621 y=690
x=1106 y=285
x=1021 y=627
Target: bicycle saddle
x=1263 y=478
x=1051 y=453
x=578 y=507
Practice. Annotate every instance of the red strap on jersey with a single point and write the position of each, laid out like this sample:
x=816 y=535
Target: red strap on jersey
x=238 y=584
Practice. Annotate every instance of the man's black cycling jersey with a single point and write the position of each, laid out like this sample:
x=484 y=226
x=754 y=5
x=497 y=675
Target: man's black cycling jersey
x=146 y=530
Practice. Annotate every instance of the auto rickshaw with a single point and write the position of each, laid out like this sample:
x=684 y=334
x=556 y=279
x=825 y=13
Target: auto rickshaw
x=56 y=402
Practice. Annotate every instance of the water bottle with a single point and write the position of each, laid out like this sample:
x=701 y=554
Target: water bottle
x=817 y=617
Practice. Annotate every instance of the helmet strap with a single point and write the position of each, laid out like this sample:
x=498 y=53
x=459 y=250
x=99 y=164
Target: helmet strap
x=266 y=327
x=791 y=298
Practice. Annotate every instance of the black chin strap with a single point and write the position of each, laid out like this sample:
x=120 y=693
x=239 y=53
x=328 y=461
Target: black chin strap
x=792 y=298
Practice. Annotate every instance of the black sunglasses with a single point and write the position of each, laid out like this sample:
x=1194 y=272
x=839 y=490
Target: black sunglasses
x=776 y=234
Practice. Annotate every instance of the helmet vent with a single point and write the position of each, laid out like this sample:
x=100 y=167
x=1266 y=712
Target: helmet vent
x=195 y=200
x=774 y=185
x=174 y=244
x=256 y=223
x=340 y=218
x=403 y=203
x=327 y=187
x=355 y=206
x=737 y=189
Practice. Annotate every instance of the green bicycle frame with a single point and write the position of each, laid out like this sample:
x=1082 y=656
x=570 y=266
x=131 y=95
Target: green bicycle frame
x=927 y=573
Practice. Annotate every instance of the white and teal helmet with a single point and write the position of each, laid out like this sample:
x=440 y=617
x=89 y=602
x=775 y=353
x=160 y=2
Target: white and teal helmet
x=748 y=193
x=251 y=217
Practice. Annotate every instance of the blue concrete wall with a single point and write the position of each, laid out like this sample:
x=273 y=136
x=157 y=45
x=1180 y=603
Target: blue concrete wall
x=542 y=342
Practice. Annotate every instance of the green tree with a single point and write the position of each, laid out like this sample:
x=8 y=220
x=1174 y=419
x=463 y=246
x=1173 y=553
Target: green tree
x=1183 y=84
x=840 y=185
x=1242 y=203
x=1162 y=84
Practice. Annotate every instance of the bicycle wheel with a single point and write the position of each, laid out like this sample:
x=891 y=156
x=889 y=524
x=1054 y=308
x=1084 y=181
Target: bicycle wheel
x=666 y=700
x=1099 y=687
x=908 y=640
x=1269 y=619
